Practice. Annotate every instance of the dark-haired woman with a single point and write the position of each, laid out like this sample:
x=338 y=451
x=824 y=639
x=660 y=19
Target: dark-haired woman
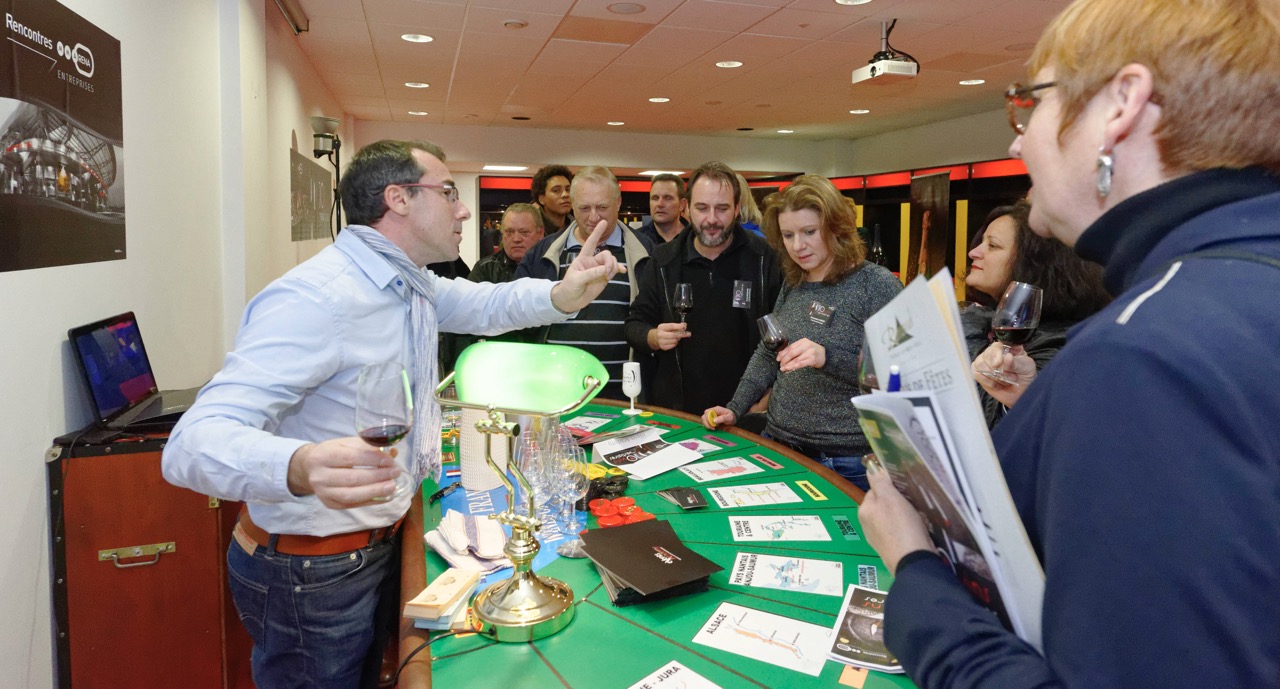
x=829 y=291
x=1008 y=251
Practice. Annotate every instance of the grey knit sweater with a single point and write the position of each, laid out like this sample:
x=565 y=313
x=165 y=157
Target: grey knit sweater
x=811 y=406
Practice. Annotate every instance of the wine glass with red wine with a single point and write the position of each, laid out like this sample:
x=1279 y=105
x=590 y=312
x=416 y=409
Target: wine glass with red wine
x=384 y=414
x=682 y=301
x=771 y=335
x=1015 y=321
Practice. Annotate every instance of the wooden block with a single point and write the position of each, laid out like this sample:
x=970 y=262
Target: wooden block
x=441 y=594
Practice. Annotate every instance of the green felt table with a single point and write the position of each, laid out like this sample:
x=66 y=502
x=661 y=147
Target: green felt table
x=607 y=647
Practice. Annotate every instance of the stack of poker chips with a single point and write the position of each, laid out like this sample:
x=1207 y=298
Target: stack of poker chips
x=617 y=511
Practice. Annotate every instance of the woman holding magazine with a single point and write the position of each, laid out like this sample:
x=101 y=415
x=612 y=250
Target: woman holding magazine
x=1145 y=460
x=829 y=292
x=1006 y=250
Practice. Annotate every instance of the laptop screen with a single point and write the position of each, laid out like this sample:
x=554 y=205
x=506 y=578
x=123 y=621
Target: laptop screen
x=114 y=363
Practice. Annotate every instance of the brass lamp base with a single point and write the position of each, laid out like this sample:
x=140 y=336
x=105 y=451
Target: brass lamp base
x=524 y=608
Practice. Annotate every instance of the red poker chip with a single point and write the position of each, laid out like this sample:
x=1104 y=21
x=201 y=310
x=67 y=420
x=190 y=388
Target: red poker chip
x=611 y=520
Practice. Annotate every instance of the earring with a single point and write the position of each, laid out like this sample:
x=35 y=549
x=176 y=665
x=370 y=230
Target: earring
x=1106 y=165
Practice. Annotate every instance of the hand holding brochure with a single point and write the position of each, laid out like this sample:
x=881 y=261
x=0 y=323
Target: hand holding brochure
x=917 y=331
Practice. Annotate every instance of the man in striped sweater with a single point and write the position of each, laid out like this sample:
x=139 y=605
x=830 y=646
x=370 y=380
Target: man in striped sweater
x=598 y=328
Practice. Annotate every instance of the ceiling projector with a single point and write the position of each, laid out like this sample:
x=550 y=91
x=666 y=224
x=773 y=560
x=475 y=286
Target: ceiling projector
x=886 y=71
x=887 y=66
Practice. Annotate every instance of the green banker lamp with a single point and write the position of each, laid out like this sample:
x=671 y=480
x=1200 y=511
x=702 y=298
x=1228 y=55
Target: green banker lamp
x=543 y=382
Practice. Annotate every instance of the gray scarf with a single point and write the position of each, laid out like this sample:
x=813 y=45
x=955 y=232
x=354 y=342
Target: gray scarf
x=425 y=438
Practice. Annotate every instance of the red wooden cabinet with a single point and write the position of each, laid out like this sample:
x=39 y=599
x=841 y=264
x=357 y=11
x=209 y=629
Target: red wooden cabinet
x=139 y=575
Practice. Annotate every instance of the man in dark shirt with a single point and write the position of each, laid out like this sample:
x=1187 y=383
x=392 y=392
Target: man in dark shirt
x=666 y=209
x=521 y=229
x=735 y=278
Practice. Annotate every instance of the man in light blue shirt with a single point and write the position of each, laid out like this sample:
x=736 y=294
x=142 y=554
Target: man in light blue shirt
x=314 y=561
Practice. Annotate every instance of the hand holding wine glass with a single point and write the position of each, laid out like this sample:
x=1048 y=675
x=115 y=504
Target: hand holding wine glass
x=1015 y=321
x=682 y=300
x=384 y=413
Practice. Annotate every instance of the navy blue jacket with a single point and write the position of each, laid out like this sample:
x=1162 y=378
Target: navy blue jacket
x=1145 y=463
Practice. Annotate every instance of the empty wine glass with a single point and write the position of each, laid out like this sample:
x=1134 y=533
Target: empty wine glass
x=1015 y=321
x=682 y=301
x=771 y=335
x=573 y=488
x=384 y=414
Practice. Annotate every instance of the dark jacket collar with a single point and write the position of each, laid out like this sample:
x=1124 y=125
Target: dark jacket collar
x=1126 y=236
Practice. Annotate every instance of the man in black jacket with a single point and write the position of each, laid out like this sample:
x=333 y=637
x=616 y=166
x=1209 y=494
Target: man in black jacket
x=735 y=280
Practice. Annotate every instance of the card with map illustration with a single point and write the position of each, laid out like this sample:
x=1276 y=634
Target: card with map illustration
x=788 y=574
x=786 y=527
x=753 y=495
x=718 y=469
x=775 y=639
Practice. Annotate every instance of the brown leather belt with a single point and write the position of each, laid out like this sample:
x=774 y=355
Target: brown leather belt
x=316 y=546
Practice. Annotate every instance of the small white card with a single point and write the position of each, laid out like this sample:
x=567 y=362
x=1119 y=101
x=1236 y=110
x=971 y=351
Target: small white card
x=774 y=639
x=755 y=494
x=795 y=527
x=673 y=675
x=585 y=424
x=788 y=574
x=717 y=469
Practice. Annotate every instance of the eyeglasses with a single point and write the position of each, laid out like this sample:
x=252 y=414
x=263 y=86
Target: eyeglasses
x=1020 y=101
x=450 y=191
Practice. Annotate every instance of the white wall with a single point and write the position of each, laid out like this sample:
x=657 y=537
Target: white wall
x=973 y=138
x=294 y=93
x=171 y=279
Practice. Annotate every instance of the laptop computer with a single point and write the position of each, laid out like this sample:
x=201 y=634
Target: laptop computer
x=114 y=363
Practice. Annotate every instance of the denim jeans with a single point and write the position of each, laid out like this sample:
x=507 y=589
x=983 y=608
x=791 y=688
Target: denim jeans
x=316 y=622
x=849 y=467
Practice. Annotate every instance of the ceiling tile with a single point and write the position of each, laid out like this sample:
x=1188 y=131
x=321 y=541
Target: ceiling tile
x=721 y=16
x=803 y=24
x=340 y=9
x=429 y=15
x=558 y=7
x=336 y=29
x=539 y=24
x=673 y=47
x=654 y=10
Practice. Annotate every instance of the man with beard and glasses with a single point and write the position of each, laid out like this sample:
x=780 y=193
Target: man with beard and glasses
x=735 y=280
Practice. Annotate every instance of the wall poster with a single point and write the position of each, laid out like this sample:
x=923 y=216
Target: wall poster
x=61 y=139
x=931 y=234
x=311 y=199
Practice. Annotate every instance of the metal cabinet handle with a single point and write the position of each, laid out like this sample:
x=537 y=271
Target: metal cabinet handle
x=157 y=549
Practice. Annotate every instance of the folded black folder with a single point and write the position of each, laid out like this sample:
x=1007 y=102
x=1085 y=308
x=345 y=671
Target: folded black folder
x=646 y=561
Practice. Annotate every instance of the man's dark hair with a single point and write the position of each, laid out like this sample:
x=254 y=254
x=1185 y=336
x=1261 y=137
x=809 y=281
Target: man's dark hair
x=541 y=177
x=721 y=173
x=668 y=177
x=373 y=168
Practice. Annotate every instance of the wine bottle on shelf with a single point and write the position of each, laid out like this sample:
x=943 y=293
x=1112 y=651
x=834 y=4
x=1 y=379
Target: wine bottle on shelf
x=876 y=254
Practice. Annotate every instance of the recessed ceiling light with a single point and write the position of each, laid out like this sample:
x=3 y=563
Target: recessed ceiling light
x=786 y=131
x=626 y=8
x=859 y=111
x=417 y=38
x=515 y=24
x=852 y=2
x=417 y=84
x=419 y=112
x=651 y=173
x=972 y=82
x=520 y=118
x=506 y=168
x=746 y=129
x=659 y=100
x=615 y=124
x=728 y=64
